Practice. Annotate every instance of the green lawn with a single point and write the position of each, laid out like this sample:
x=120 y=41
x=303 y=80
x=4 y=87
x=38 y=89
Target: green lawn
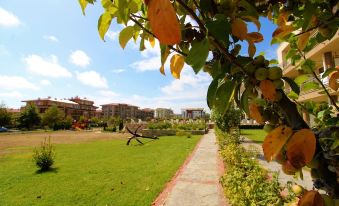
x=257 y=135
x=96 y=173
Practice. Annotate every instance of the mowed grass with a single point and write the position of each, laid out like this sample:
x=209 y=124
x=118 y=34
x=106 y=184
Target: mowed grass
x=95 y=173
x=256 y=135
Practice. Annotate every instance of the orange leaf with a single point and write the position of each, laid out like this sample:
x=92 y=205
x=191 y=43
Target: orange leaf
x=239 y=28
x=282 y=31
x=283 y=18
x=151 y=41
x=251 y=48
x=164 y=22
x=162 y=70
x=332 y=82
x=146 y=2
x=268 y=90
x=303 y=40
x=275 y=140
x=255 y=113
x=311 y=198
x=301 y=148
x=255 y=37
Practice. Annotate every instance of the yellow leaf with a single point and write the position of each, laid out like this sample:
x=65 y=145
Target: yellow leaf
x=301 y=148
x=255 y=37
x=303 y=40
x=239 y=28
x=332 y=82
x=151 y=40
x=251 y=48
x=162 y=70
x=164 y=22
x=275 y=141
x=282 y=31
x=252 y=19
x=177 y=64
x=268 y=90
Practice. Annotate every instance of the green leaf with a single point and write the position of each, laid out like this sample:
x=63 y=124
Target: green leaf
x=273 y=62
x=224 y=96
x=293 y=95
x=295 y=88
x=309 y=86
x=220 y=29
x=104 y=23
x=125 y=35
x=308 y=66
x=211 y=92
x=328 y=72
x=198 y=54
x=301 y=79
x=244 y=101
x=308 y=12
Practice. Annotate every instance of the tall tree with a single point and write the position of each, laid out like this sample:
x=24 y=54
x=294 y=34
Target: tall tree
x=29 y=117
x=53 y=118
x=5 y=116
x=188 y=31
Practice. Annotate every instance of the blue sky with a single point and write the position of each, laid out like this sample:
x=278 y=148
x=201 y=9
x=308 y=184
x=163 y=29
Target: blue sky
x=48 y=48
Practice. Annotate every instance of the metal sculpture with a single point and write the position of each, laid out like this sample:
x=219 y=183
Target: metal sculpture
x=136 y=135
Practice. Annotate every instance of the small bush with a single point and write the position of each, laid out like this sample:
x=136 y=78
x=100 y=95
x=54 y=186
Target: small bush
x=44 y=155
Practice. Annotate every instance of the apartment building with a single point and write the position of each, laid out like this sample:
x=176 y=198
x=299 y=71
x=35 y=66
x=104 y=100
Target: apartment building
x=145 y=114
x=192 y=113
x=325 y=55
x=125 y=111
x=163 y=113
x=74 y=107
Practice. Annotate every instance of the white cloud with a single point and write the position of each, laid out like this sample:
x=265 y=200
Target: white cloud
x=117 y=71
x=51 y=38
x=108 y=94
x=93 y=79
x=48 y=67
x=8 y=19
x=45 y=82
x=13 y=94
x=150 y=64
x=112 y=35
x=15 y=82
x=80 y=58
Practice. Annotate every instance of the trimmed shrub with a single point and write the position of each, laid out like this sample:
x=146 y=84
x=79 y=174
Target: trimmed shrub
x=44 y=155
x=183 y=133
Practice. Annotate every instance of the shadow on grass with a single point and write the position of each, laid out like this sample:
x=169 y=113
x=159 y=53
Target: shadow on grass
x=51 y=170
x=145 y=142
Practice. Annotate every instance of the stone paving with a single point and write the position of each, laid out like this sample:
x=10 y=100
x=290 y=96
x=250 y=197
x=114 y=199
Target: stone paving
x=197 y=181
x=275 y=167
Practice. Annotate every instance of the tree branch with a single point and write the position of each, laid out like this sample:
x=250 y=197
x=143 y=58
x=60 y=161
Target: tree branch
x=149 y=32
x=193 y=14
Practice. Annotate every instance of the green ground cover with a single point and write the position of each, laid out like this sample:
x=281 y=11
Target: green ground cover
x=96 y=173
x=257 y=135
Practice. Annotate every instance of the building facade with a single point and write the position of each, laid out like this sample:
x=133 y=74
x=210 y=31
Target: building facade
x=74 y=107
x=146 y=114
x=193 y=113
x=325 y=56
x=163 y=113
x=125 y=111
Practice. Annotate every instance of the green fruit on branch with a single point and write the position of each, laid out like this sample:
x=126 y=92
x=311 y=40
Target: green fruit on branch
x=259 y=60
x=278 y=83
x=250 y=68
x=274 y=73
x=297 y=189
x=261 y=74
x=268 y=127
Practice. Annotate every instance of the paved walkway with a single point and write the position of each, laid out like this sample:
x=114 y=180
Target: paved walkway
x=276 y=167
x=197 y=181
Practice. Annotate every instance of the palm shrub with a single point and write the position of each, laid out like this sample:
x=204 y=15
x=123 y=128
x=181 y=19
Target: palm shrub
x=44 y=155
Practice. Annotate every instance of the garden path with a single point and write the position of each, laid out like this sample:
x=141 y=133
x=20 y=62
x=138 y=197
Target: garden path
x=197 y=181
x=273 y=166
